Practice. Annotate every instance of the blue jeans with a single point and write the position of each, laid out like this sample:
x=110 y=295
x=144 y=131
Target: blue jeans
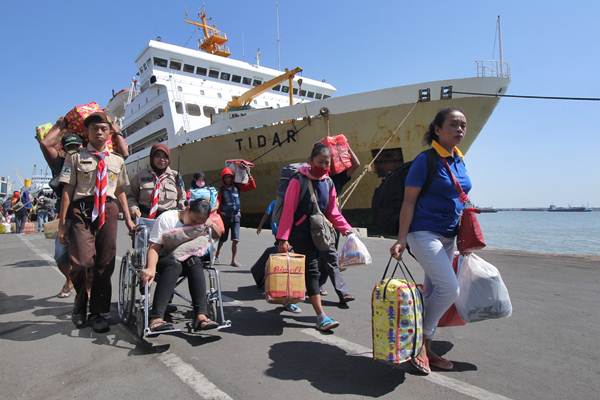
x=434 y=253
x=42 y=218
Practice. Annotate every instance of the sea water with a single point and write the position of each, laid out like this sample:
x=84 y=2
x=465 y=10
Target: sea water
x=543 y=231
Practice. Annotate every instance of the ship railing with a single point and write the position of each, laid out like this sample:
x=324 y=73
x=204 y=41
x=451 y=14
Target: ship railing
x=492 y=69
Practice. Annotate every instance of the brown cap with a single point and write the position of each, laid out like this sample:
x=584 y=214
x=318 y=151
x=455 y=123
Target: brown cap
x=160 y=147
x=96 y=117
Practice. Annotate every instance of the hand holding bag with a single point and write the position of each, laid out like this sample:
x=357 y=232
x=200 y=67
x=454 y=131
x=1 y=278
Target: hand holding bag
x=470 y=235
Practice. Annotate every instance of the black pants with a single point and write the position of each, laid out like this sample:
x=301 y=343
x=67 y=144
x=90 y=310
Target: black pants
x=168 y=271
x=302 y=243
x=329 y=268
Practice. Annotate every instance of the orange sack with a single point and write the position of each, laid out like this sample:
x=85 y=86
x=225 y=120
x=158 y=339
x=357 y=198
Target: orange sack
x=341 y=159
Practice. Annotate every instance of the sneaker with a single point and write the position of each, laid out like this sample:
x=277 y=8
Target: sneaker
x=293 y=308
x=216 y=261
x=99 y=323
x=323 y=292
x=327 y=324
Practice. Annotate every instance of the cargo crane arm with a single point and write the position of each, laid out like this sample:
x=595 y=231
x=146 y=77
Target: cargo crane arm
x=246 y=98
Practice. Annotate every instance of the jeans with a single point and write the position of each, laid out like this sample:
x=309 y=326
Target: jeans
x=434 y=253
x=329 y=268
x=20 y=220
x=42 y=218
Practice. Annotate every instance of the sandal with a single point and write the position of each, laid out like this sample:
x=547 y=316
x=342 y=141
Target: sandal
x=421 y=362
x=159 y=325
x=204 y=325
x=64 y=292
x=440 y=362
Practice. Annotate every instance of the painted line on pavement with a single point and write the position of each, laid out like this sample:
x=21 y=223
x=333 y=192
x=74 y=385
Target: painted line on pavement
x=355 y=349
x=182 y=370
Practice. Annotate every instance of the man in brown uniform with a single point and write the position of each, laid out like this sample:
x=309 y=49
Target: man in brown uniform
x=157 y=188
x=94 y=179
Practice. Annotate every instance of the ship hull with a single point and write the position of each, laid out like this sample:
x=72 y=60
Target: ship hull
x=272 y=146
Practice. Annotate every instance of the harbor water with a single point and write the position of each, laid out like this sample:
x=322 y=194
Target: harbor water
x=576 y=233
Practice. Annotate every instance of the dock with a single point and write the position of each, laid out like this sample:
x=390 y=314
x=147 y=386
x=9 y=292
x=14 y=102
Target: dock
x=548 y=349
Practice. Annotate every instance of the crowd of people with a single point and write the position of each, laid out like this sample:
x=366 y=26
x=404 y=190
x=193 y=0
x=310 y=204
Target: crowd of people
x=92 y=187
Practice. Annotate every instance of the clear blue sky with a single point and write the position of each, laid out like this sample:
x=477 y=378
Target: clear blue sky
x=531 y=153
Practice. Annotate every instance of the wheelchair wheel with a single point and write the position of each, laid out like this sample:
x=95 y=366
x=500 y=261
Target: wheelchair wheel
x=212 y=307
x=127 y=284
x=139 y=322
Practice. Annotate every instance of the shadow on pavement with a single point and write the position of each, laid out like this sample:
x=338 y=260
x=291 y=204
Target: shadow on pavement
x=245 y=293
x=29 y=264
x=248 y=321
x=442 y=348
x=341 y=374
x=22 y=302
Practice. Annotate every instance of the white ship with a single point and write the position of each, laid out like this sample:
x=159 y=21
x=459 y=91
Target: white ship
x=209 y=108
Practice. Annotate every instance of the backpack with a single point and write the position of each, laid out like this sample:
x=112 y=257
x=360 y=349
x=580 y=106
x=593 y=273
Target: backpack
x=285 y=176
x=388 y=197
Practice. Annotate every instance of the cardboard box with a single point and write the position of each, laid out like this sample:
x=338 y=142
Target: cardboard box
x=284 y=278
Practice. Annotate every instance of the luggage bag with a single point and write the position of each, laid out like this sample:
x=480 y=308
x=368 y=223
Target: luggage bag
x=397 y=317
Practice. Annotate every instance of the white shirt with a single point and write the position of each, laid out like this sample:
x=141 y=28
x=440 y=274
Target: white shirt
x=167 y=221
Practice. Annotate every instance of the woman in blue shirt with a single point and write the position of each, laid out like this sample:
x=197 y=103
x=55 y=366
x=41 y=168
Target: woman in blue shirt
x=429 y=221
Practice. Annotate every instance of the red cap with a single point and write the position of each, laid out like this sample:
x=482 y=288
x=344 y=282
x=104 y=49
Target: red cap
x=160 y=147
x=226 y=171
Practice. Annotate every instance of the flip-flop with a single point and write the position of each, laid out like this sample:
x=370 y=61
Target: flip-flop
x=204 y=325
x=164 y=326
x=64 y=294
x=422 y=369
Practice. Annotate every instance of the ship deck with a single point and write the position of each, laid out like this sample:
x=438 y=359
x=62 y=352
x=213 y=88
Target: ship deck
x=546 y=350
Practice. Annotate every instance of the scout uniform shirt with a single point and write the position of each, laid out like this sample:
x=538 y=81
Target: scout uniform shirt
x=79 y=171
x=140 y=191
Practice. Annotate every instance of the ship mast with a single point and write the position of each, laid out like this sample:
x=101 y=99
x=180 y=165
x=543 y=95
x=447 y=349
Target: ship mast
x=214 y=40
x=500 y=47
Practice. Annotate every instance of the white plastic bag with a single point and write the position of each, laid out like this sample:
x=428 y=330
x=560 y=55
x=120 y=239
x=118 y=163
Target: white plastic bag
x=483 y=295
x=354 y=252
x=241 y=170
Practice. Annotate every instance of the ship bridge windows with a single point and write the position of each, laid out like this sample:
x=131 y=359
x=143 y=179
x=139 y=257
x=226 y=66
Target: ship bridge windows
x=176 y=65
x=156 y=137
x=318 y=96
x=256 y=82
x=213 y=73
x=188 y=68
x=225 y=76
x=247 y=81
x=208 y=111
x=152 y=79
x=201 y=71
x=193 y=109
x=310 y=95
x=296 y=91
x=178 y=107
x=302 y=93
x=154 y=115
x=276 y=88
x=326 y=96
x=285 y=89
x=160 y=62
x=236 y=78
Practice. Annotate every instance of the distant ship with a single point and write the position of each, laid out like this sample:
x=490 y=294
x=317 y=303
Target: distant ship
x=209 y=108
x=553 y=208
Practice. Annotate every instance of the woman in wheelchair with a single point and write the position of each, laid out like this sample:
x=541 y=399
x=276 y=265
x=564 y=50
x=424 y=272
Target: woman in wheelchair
x=163 y=265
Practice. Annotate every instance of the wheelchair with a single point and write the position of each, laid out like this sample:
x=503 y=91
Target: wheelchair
x=134 y=305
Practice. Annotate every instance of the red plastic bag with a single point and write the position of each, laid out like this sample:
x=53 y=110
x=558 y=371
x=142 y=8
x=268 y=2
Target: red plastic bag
x=341 y=159
x=470 y=235
x=451 y=317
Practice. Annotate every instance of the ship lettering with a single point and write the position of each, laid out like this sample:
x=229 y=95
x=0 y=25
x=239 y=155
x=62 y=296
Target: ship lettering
x=262 y=140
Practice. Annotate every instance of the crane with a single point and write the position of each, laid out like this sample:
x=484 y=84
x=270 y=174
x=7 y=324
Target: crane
x=242 y=101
